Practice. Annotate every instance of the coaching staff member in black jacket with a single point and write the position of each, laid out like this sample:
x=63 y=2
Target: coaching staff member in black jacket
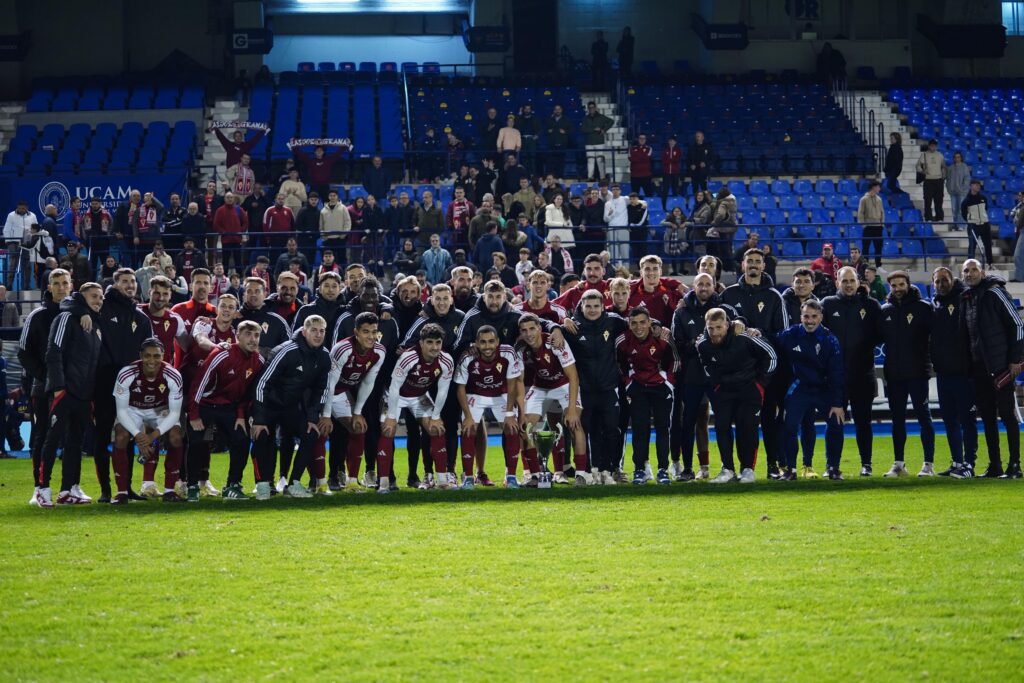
x=995 y=337
x=762 y=308
x=72 y=356
x=32 y=353
x=905 y=327
x=951 y=360
x=291 y=394
x=591 y=336
x=852 y=316
x=738 y=367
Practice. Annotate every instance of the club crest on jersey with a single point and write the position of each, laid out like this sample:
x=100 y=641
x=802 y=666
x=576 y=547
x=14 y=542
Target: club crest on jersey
x=606 y=335
x=497 y=366
x=162 y=388
x=950 y=308
x=863 y=313
x=437 y=371
x=910 y=317
x=266 y=326
x=134 y=325
x=653 y=349
x=248 y=373
x=760 y=306
x=547 y=358
x=167 y=325
x=817 y=348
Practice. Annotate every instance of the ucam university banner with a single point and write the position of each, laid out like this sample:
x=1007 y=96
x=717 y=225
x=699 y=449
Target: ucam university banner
x=59 y=189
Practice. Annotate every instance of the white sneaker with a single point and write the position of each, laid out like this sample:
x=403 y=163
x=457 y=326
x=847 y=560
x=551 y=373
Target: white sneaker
x=898 y=469
x=747 y=476
x=675 y=470
x=584 y=478
x=468 y=482
x=702 y=473
x=181 y=488
x=296 y=490
x=322 y=489
x=282 y=484
x=44 y=498
x=427 y=483
x=370 y=479
x=648 y=473
x=262 y=491
x=352 y=484
x=724 y=477
x=33 y=499
x=207 y=489
x=150 y=491
x=560 y=478
x=927 y=470
x=77 y=492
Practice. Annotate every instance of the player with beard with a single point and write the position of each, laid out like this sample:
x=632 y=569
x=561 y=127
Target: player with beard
x=738 y=366
x=763 y=309
x=369 y=300
x=852 y=316
x=553 y=389
x=593 y=278
x=222 y=400
x=537 y=302
x=284 y=302
x=198 y=306
x=149 y=398
x=795 y=296
x=490 y=379
x=439 y=310
x=355 y=363
x=274 y=329
x=693 y=390
x=327 y=304
x=407 y=304
x=462 y=289
x=32 y=354
x=417 y=371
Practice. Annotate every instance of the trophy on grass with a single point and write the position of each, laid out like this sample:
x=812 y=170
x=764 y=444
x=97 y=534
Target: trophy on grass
x=545 y=438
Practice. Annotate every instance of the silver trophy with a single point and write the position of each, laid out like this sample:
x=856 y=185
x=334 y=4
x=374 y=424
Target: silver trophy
x=544 y=438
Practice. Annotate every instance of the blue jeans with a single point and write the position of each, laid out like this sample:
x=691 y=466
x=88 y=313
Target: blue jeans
x=956 y=200
x=956 y=403
x=917 y=390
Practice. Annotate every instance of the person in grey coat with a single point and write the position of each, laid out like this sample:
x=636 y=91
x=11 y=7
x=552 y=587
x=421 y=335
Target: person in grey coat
x=958 y=184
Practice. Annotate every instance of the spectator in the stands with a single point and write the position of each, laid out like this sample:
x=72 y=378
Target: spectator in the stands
x=1016 y=217
x=240 y=179
x=76 y=263
x=511 y=174
x=671 y=168
x=577 y=212
x=219 y=283
x=98 y=225
x=894 y=162
x=38 y=245
x=327 y=265
x=753 y=241
x=699 y=161
x=406 y=258
x=208 y=204
x=464 y=180
x=871 y=214
x=958 y=184
x=189 y=259
x=599 y=62
x=358 y=233
x=529 y=129
x=559 y=132
x=193 y=225
x=510 y=141
x=533 y=239
x=544 y=263
x=674 y=240
x=488 y=244
x=539 y=214
x=294 y=191
x=595 y=129
x=874 y=284
x=436 y=261
x=286 y=172
x=974 y=209
x=160 y=255
x=263 y=76
x=723 y=227
x=260 y=269
x=319 y=167
x=559 y=258
x=856 y=260
x=550 y=188
x=374 y=240
x=636 y=212
x=830 y=64
x=291 y=251
x=50 y=225
x=376 y=179
x=335 y=224
x=828 y=263
x=931 y=168
x=617 y=218
x=174 y=217
x=150 y=223
x=278 y=222
x=73 y=224
x=256 y=206
x=524 y=266
x=625 y=52
x=179 y=288
x=460 y=213
x=557 y=222
x=238 y=145
x=525 y=195
x=484 y=180
x=484 y=215
x=488 y=131
x=307 y=223
x=506 y=273
x=513 y=240
x=231 y=223
x=10 y=316
x=399 y=218
x=427 y=220
x=770 y=262
x=592 y=231
x=640 y=166
x=126 y=220
x=430 y=156
x=107 y=270
x=454 y=147
x=700 y=219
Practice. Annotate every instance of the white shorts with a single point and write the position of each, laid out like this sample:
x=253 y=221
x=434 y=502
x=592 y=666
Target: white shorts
x=147 y=417
x=419 y=406
x=341 y=405
x=479 y=404
x=543 y=401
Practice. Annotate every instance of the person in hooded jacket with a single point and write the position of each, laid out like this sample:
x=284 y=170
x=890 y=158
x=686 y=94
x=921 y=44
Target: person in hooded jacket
x=905 y=329
x=275 y=329
x=327 y=305
x=852 y=316
x=994 y=334
x=951 y=360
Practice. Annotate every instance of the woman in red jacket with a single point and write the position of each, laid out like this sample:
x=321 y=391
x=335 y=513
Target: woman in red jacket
x=671 y=166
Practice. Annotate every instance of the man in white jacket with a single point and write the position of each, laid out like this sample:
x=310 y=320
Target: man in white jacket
x=617 y=218
x=17 y=226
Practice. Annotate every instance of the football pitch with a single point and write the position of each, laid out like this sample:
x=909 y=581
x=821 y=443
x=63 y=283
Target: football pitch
x=867 y=579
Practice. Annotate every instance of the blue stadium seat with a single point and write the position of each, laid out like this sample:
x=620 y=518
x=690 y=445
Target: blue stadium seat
x=326 y=67
x=306 y=67
x=780 y=187
x=789 y=202
x=890 y=249
x=802 y=187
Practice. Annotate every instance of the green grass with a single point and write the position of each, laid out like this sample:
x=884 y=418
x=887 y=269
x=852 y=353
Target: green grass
x=863 y=580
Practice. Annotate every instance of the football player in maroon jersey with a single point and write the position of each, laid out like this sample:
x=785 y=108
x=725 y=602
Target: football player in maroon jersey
x=536 y=300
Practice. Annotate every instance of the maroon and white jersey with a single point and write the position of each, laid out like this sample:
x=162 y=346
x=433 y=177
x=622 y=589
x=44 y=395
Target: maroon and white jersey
x=550 y=311
x=354 y=372
x=489 y=378
x=138 y=397
x=544 y=368
x=168 y=328
x=201 y=328
x=414 y=376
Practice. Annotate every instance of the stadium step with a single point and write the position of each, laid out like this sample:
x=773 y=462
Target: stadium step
x=9 y=112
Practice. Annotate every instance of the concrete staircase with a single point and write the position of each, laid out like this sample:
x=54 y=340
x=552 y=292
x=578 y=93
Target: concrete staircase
x=9 y=112
x=212 y=155
x=616 y=138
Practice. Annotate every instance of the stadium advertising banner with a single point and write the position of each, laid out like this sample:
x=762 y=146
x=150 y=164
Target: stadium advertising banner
x=114 y=189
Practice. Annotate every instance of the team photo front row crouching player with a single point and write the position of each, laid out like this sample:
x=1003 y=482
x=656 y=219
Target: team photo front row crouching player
x=588 y=369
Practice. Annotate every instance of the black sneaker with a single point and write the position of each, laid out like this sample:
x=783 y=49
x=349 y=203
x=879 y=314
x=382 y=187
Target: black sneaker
x=962 y=471
x=570 y=473
x=774 y=473
x=333 y=484
x=994 y=471
x=638 y=478
x=663 y=477
x=412 y=482
x=865 y=470
x=104 y=497
x=787 y=475
x=1012 y=471
x=134 y=496
x=687 y=475
x=834 y=474
x=948 y=472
